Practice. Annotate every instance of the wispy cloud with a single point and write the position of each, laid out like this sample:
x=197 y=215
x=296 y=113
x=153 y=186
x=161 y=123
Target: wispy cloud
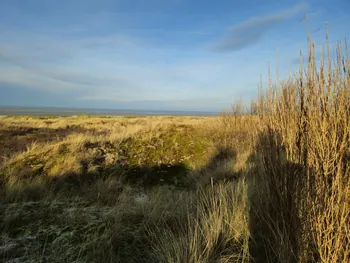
x=108 y=68
x=136 y=55
x=251 y=31
x=55 y=64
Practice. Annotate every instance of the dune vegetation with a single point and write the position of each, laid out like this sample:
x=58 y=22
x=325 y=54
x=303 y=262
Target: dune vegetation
x=266 y=184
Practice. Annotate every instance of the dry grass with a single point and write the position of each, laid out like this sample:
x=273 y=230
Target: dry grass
x=114 y=189
x=215 y=231
x=265 y=184
x=303 y=189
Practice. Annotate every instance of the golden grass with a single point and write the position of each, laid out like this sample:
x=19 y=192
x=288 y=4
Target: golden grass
x=217 y=231
x=304 y=151
x=69 y=191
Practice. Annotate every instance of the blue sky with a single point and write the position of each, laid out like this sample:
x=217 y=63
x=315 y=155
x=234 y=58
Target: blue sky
x=152 y=54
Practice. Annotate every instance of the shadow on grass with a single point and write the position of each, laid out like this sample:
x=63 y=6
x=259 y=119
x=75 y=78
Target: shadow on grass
x=275 y=224
x=130 y=242
x=178 y=175
x=222 y=154
x=137 y=176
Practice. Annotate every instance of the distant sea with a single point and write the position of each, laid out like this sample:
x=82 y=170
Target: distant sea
x=65 y=112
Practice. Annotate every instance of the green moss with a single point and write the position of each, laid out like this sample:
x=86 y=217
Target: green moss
x=175 y=145
x=164 y=157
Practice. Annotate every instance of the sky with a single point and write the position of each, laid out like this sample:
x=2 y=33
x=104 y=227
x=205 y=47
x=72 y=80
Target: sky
x=154 y=54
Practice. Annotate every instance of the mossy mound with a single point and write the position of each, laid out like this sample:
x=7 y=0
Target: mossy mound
x=165 y=157
x=178 y=144
x=159 y=156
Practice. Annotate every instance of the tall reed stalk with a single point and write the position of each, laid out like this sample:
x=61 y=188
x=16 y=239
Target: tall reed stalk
x=304 y=150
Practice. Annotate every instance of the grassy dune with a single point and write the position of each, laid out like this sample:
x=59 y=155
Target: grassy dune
x=271 y=186
x=122 y=189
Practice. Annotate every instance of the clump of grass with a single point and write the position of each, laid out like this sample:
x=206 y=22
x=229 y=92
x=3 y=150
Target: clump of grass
x=234 y=129
x=215 y=231
x=304 y=145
